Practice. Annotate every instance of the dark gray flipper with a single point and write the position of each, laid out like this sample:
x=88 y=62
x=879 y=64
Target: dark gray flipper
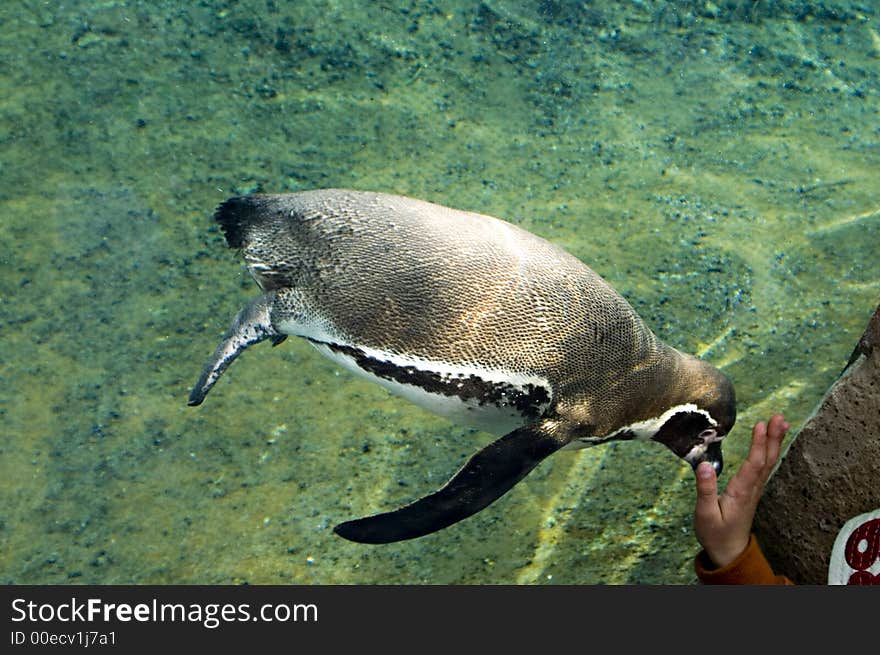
x=251 y=325
x=486 y=476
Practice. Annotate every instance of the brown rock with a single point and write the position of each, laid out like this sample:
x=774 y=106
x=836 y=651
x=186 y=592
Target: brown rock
x=830 y=473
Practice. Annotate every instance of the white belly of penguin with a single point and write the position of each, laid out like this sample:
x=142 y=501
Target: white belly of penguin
x=511 y=399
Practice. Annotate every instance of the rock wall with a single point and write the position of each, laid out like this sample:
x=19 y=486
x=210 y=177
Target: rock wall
x=830 y=472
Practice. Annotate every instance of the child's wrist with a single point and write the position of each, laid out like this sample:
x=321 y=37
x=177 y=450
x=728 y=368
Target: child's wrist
x=723 y=556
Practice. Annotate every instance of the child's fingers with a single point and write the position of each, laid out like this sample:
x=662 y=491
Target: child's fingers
x=776 y=430
x=751 y=470
x=746 y=484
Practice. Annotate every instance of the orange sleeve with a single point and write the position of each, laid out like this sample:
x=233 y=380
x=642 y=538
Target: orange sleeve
x=750 y=568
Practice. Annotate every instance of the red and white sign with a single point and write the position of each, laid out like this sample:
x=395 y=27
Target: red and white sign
x=855 y=558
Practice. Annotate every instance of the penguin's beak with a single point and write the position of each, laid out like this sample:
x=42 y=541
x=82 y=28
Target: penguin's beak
x=711 y=454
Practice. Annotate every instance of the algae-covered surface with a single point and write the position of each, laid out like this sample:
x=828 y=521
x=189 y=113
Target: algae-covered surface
x=716 y=162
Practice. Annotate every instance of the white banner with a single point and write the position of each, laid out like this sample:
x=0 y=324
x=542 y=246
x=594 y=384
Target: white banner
x=855 y=558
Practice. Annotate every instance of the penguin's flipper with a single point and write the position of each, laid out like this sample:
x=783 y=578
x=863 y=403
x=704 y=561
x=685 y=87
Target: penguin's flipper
x=251 y=325
x=487 y=475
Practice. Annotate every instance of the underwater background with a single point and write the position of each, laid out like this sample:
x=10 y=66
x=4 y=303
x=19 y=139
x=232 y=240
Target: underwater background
x=716 y=162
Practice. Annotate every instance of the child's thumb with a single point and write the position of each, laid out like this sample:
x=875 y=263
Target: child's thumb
x=707 y=484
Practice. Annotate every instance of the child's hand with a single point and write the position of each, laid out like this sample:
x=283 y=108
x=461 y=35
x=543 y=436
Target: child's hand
x=723 y=523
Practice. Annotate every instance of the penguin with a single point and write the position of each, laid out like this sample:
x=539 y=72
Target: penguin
x=470 y=317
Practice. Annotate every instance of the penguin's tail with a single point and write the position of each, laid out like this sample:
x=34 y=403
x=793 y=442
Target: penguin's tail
x=239 y=214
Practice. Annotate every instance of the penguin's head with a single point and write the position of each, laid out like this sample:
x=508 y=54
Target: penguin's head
x=693 y=430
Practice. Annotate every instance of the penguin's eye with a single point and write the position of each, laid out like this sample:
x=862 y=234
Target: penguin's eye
x=707 y=434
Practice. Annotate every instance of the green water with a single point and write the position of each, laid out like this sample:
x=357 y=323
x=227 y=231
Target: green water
x=716 y=162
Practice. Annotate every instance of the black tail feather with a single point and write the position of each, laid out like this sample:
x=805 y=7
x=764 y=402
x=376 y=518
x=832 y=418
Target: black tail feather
x=235 y=215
